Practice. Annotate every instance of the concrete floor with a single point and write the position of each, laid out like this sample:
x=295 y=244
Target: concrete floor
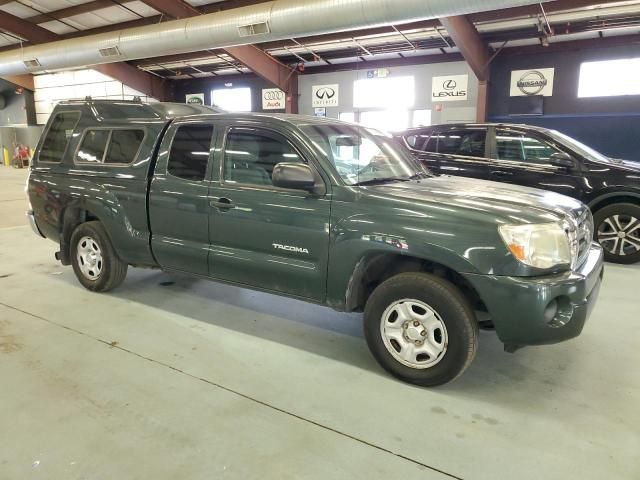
x=179 y=378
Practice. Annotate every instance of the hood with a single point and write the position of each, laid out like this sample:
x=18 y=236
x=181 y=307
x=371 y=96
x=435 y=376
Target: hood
x=503 y=203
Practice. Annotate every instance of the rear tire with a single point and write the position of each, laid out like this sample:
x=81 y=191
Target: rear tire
x=617 y=229
x=421 y=329
x=94 y=260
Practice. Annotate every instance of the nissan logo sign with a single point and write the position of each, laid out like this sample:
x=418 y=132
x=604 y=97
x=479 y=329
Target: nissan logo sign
x=325 y=93
x=449 y=85
x=273 y=95
x=532 y=82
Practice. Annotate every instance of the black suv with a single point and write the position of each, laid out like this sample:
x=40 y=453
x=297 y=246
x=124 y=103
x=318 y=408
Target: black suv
x=542 y=158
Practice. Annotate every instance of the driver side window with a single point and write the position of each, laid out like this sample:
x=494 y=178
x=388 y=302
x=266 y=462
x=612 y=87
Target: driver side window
x=520 y=147
x=250 y=157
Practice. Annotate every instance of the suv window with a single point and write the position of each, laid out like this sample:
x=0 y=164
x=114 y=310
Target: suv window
x=124 y=146
x=250 y=157
x=58 y=136
x=470 y=143
x=521 y=147
x=190 y=150
x=423 y=142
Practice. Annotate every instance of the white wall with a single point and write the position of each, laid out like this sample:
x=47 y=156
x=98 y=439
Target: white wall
x=459 y=111
x=54 y=87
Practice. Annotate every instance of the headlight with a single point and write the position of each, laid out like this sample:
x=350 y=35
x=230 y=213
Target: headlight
x=542 y=245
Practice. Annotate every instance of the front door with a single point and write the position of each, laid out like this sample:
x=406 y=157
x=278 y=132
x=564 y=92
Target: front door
x=263 y=236
x=178 y=199
x=522 y=158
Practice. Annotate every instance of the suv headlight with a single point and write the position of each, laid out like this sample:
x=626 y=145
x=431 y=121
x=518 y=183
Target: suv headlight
x=539 y=245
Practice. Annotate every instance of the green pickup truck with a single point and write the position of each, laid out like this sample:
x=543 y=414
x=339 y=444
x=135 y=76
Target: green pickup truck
x=320 y=210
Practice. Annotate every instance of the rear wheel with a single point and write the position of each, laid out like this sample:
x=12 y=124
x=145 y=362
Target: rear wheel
x=421 y=329
x=617 y=229
x=94 y=260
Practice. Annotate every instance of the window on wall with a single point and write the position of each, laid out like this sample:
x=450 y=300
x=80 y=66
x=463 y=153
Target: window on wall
x=421 y=118
x=386 y=120
x=385 y=93
x=232 y=99
x=609 y=78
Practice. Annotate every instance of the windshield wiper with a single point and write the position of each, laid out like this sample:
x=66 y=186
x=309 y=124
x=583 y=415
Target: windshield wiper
x=419 y=175
x=380 y=181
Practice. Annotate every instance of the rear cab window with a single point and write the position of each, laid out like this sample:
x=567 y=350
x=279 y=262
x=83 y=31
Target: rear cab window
x=190 y=151
x=58 y=136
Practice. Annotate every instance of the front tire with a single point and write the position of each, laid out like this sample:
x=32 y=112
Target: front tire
x=617 y=229
x=421 y=329
x=94 y=260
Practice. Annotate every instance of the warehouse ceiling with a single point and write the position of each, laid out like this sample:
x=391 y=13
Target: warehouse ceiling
x=543 y=25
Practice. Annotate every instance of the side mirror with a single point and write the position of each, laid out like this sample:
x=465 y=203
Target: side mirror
x=561 y=159
x=298 y=176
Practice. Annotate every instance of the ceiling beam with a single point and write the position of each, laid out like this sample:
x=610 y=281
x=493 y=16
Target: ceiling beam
x=131 y=76
x=24 y=81
x=466 y=37
x=176 y=9
x=470 y=44
x=67 y=12
x=260 y=62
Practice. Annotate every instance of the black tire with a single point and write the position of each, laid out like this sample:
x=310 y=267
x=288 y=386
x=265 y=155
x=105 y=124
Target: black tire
x=606 y=227
x=112 y=270
x=454 y=312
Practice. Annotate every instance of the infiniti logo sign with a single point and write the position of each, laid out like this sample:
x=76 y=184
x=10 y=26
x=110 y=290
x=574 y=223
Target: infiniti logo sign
x=325 y=93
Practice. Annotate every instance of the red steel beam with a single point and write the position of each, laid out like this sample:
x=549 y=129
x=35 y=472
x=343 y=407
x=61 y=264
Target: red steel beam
x=127 y=74
x=466 y=37
x=173 y=8
x=24 y=81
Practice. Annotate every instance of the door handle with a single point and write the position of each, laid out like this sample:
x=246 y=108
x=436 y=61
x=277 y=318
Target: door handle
x=501 y=173
x=222 y=204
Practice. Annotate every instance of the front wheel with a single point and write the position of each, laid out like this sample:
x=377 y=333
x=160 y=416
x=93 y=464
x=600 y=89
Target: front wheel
x=94 y=260
x=617 y=229
x=421 y=329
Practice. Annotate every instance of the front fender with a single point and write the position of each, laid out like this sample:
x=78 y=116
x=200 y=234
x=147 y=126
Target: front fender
x=463 y=249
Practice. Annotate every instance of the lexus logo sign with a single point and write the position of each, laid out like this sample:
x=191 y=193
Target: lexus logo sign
x=537 y=81
x=450 y=89
x=449 y=85
x=273 y=99
x=325 y=96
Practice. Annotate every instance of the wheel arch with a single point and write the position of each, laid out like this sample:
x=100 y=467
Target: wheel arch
x=374 y=268
x=612 y=198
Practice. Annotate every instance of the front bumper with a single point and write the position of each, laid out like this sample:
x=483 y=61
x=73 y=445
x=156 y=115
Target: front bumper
x=33 y=224
x=541 y=310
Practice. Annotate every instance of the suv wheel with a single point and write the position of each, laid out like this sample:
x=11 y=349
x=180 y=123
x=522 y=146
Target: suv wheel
x=421 y=329
x=617 y=229
x=94 y=259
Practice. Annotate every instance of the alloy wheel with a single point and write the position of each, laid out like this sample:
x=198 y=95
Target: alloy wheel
x=620 y=235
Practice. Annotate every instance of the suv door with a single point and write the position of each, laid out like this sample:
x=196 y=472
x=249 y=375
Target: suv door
x=464 y=151
x=178 y=198
x=522 y=157
x=264 y=236
x=461 y=151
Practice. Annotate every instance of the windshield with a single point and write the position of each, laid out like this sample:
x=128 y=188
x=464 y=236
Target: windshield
x=579 y=147
x=363 y=155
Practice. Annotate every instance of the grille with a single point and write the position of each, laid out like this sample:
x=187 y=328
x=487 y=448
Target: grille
x=584 y=236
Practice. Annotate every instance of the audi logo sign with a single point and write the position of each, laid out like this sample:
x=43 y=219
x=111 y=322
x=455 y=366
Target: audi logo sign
x=273 y=99
x=325 y=96
x=450 y=88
